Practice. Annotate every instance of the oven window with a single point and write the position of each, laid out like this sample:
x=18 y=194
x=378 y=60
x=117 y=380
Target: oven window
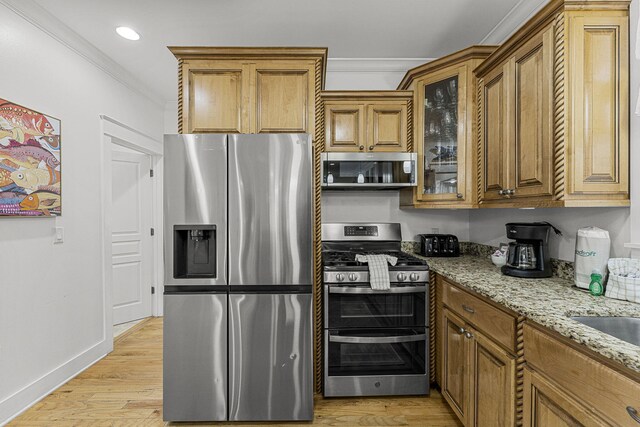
x=356 y=310
x=373 y=352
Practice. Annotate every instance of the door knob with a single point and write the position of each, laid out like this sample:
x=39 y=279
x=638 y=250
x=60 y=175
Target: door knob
x=361 y=147
x=371 y=147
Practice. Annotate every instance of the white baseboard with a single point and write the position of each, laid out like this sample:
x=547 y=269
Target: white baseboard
x=23 y=399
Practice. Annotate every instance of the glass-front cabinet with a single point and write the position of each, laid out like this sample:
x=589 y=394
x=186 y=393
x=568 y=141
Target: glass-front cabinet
x=444 y=132
x=442 y=127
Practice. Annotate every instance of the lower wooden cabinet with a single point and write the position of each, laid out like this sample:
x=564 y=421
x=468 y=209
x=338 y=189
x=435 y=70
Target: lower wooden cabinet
x=493 y=376
x=478 y=376
x=455 y=370
x=556 y=382
x=545 y=405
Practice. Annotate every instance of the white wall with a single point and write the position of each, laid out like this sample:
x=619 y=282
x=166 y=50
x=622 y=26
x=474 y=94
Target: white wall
x=52 y=296
x=383 y=206
x=488 y=226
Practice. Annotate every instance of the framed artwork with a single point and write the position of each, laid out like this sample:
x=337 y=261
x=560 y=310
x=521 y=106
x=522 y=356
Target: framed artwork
x=30 y=162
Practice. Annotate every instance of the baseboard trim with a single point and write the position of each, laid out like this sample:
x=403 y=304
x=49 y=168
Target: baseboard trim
x=23 y=399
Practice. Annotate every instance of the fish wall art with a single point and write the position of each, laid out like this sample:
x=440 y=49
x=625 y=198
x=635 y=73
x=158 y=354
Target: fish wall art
x=30 y=166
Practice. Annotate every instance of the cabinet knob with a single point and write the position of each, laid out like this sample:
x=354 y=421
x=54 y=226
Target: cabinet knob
x=468 y=335
x=461 y=331
x=512 y=192
x=501 y=193
x=371 y=147
x=361 y=147
x=633 y=413
x=459 y=196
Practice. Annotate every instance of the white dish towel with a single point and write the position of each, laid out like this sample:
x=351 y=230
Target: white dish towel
x=378 y=270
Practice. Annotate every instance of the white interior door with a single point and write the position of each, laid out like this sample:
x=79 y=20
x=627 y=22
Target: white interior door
x=131 y=235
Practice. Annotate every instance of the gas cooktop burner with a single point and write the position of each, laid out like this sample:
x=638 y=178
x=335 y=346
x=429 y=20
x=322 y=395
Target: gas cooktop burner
x=348 y=259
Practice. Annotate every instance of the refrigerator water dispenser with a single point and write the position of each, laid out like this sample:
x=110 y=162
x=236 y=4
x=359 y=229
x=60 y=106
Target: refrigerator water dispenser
x=194 y=251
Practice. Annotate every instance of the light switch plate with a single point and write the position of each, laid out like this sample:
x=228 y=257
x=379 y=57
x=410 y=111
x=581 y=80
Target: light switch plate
x=59 y=235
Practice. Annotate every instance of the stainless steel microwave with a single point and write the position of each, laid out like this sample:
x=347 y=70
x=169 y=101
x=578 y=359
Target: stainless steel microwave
x=368 y=171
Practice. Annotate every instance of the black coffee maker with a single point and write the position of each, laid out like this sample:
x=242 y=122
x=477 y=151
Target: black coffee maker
x=528 y=256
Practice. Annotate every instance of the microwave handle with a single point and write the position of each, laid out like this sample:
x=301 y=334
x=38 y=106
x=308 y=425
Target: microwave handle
x=368 y=291
x=376 y=340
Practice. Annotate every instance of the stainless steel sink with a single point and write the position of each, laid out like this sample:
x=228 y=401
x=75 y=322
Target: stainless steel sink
x=625 y=328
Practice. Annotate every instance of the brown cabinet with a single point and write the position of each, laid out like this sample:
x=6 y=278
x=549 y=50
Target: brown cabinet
x=478 y=377
x=553 y=102
x=516 y=119
x=444 y=116
x=476 y=357
x=249 y=90
x=455 y=365
x=363 y=121
x=562 y=373
x=545 y=405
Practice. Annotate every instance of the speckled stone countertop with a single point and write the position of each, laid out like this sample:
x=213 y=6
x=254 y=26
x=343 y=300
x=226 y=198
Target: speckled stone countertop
x=549 y=302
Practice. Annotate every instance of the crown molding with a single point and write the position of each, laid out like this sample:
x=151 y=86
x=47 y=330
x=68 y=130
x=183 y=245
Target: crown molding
x=42 y=19
x=373 y=65
x=518 y=15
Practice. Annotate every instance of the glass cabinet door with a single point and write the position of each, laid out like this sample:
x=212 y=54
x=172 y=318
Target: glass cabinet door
x=443 y=139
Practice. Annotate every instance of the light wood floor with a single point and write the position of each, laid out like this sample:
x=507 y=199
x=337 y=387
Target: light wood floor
x=125 y=389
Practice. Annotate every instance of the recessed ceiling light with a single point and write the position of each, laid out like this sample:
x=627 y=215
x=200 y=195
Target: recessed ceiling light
x=128 y=33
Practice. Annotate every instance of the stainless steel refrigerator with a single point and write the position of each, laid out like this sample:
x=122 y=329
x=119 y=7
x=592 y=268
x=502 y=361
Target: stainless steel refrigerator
x=238 y=277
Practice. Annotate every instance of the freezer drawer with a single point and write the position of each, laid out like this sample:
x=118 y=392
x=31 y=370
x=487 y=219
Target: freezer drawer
x=270 y=357
x=195 y=357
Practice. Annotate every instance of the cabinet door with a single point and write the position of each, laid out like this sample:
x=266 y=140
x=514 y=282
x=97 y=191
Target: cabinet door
x=495 y=133
x=546 y=405
x=387 y=127
x=216 y=96
x=493 y=383
x=344 y=127
x=455 y=364
x=442 y=116
x=284 y=97
x=532 y=153
x=599 y=157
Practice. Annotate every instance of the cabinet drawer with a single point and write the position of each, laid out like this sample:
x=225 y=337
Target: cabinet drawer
x=493 y=322
x=608 y=392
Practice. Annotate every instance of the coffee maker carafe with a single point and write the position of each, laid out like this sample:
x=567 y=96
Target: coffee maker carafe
x=528 y=256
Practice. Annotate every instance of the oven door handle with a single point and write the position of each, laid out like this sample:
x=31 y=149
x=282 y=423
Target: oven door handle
x=376 y=340
x=400 y=290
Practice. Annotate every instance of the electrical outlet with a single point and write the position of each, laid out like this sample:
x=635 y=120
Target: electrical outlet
x=59 y=235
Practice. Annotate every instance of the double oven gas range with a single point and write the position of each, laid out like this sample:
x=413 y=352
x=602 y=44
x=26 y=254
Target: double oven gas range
x=375 y=341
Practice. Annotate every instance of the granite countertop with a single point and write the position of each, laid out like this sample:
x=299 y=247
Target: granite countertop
x=549 y=302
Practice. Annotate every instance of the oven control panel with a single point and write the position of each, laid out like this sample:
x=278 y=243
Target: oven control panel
x=361 y=230
x=400 y=277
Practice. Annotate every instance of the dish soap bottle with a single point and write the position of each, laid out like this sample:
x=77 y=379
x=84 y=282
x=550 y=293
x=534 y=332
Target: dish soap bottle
x=595 y=287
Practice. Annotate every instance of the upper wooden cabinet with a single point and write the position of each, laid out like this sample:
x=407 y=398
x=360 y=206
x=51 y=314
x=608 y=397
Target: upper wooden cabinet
x=365 y=121
x=249 y=90
x=553 y=104
x=444 y=131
